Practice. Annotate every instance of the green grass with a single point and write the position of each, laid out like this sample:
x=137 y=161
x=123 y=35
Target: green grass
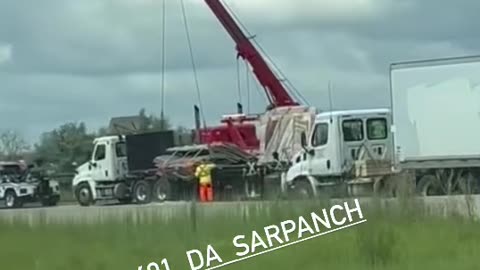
x=402 y=240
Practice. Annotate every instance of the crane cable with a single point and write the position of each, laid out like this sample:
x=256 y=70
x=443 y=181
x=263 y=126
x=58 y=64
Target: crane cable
x=277 y=69
x=247 y=75
x=239 y=87
x=192 y=59
x=257 y=88
x=162 y=113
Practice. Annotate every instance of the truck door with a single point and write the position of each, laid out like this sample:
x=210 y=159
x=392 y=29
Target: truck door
x=99 y=163
x=353 y=141
x=378 y=139
x=320 y=159
x=120 y=161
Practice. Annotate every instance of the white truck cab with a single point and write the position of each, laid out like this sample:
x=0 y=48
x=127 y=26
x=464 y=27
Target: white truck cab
x=346 y=152
x=114 y=172
x=97 y=178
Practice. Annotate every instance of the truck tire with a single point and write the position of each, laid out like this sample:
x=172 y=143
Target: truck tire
x=162 y=190
x=83 y=193
x=428 y=186
x=142 y=192
x=11 y=200
x=302 y=190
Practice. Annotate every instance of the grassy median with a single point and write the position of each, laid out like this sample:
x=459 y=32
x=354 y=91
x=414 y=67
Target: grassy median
x=390 y=239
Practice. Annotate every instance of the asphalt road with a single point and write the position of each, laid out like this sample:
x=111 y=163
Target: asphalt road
x=74 y=213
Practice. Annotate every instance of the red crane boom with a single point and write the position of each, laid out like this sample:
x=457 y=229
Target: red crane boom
x=276 y=92
x=240 y=129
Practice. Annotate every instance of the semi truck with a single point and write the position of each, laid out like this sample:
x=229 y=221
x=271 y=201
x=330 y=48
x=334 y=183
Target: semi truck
x=21 y=185
x=147 y=167
x=121 y=168
x=426 y=143
x=436 y=123
x=347 y=153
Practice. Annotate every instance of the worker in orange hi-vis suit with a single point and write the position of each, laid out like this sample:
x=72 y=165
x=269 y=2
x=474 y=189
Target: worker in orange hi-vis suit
x=204 y=174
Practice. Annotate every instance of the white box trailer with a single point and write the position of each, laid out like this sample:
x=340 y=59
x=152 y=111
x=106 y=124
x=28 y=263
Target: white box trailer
x=436 y=122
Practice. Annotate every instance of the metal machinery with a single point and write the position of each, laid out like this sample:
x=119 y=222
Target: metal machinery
x=176 y=169
x=240 y=129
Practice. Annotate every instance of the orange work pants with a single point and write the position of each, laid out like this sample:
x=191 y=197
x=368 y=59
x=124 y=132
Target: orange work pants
x=206 y=193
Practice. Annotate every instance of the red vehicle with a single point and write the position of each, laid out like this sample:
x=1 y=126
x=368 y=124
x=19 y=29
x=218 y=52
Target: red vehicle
x=249 y=150
x=256 y=134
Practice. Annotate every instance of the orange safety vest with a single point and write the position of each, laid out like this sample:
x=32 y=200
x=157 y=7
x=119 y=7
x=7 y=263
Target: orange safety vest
x=204 y=173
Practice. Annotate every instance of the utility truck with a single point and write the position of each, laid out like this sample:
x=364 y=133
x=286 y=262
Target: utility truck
x=347 y=153
x=21 y=185
x=270 y=132
x=436 y=123
x=121 y=168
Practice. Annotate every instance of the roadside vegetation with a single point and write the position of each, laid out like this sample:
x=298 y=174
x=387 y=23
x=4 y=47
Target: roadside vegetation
x=405 y=238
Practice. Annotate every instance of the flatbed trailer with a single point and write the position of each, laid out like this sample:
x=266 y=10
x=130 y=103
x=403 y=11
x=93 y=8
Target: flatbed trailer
x=236 y=175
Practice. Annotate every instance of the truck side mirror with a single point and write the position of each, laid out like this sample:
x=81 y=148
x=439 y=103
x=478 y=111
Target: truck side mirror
x=303 y=139
x=89 y=155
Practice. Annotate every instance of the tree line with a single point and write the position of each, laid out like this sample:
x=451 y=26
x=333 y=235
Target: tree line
x=71 y=143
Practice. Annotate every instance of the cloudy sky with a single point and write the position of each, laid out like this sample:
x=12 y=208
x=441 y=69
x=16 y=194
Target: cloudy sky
x=88 y=60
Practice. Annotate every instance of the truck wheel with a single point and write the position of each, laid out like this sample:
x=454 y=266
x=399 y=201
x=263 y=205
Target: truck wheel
x=429 y=186
x=142 y=192
x=84 y=195
x=302 y=190
x=161 y=190
x=11 y=200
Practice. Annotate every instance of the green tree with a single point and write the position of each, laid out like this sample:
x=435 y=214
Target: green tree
x=63 y=146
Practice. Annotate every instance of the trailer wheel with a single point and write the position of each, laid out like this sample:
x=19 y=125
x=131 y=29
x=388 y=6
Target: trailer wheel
x=83 y=193
x=162 y=190
x=429 y=186
x=11 y=200
x=142 y=192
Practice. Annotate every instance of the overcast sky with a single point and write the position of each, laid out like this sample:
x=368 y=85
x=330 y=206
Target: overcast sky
x=88 y=60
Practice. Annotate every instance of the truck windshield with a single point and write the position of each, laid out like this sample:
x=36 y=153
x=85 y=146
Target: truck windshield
x=320 y=135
